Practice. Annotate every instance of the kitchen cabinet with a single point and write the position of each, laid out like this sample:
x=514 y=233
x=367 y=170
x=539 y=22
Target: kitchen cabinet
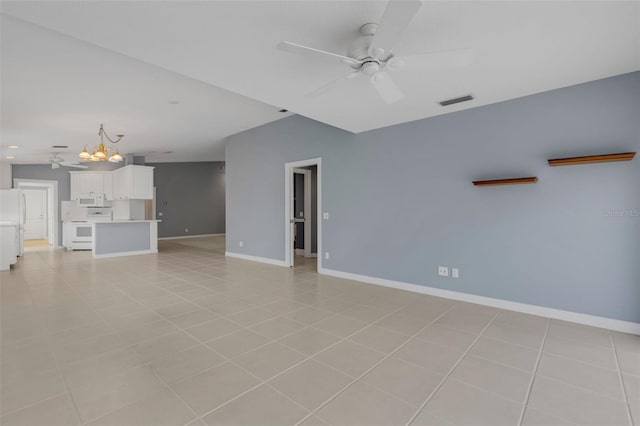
x=91 y=183
x=133 y=183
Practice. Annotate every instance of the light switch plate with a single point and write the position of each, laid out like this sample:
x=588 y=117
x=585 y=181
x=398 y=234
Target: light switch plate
x=443 y=271
x=325 y=216
x=455 y=272
x=326 y=255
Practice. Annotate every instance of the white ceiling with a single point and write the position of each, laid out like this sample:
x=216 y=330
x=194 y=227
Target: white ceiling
x=521 y=48
x=57 y=91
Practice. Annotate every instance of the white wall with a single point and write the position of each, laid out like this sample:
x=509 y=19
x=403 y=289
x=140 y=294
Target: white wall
x=5 y=175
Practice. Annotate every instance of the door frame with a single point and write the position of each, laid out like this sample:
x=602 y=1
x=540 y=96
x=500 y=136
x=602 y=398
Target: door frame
x=307 y=209
x=41 y=192
x=53 y=204
x=289 y=170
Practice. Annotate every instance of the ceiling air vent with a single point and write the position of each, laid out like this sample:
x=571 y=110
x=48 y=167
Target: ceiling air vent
x=60 y=146
x=456 y=100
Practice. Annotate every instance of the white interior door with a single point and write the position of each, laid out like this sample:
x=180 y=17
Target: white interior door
x=35 y=226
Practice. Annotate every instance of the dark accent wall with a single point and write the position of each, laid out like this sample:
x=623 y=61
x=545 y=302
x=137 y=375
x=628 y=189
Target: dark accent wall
x=61 y=175
x=190 y=196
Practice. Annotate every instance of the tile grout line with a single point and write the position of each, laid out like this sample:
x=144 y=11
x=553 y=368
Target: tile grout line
x=377 y=363
x=308 y=357
x=624 y=390
x=58 y=368
x=525 y=402
x=446 y=376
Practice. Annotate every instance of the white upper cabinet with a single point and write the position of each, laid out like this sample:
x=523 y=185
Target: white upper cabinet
x=133 y=183
x=126 y=183
x=91 y=183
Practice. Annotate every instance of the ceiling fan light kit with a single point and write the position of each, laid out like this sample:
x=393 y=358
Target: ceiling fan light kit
x=372 y=53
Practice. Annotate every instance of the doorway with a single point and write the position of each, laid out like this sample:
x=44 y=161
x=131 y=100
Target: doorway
x=35 y=224
x=303 y=196
x=41 y=211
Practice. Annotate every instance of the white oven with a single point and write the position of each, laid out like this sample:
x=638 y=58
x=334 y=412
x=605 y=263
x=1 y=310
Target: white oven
x=78 y=235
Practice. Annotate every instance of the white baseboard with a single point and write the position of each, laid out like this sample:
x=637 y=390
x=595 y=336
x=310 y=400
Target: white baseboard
x=124 y=253
x=191 y=236
x=592 y=320
x=256 y=258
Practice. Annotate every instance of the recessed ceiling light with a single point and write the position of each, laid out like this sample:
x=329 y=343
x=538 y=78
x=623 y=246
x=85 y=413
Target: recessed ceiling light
x=174 y=102
x=10 y=157
x=13 y=147
x=283 y=110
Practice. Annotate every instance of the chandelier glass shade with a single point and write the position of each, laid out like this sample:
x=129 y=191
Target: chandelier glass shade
x=102 y=152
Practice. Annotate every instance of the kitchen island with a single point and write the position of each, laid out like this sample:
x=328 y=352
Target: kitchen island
x=124 y=238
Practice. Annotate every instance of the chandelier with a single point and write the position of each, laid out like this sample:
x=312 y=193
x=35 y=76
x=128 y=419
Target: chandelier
x=103 y=153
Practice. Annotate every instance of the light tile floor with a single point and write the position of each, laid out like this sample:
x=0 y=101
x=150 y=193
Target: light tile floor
x=189 y=337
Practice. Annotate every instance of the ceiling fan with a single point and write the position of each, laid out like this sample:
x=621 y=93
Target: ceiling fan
x=56 y=162
x=372 y=53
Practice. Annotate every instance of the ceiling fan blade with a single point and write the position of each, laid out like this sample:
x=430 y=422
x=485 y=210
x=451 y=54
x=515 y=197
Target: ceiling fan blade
x=76 y=165
x=332 y=85
x=395 y=19
x=457 y=58
x=299 y=49
x=386 y=87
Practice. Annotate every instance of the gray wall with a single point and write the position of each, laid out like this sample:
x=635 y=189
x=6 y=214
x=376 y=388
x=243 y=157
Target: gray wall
x=401 y=199
x=45 y=172
x=190 y=196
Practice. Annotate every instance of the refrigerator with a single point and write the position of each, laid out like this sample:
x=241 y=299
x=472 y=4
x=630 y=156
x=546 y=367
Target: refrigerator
x=12 y=209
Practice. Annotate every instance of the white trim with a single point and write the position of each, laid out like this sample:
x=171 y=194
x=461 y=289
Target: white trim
x=52 y=190
x=191 y=236
x=592 y=320
x=124 y=253
x=256 y=258
x=288 y=187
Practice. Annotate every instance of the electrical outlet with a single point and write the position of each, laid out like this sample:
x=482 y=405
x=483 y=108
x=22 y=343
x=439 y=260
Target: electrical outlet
x=326 y=255
x=325 y=216
x=443 y=271
x=455 y=272
x=186 y=230
x=160 y=214
x=241 y=243
x=301 y=214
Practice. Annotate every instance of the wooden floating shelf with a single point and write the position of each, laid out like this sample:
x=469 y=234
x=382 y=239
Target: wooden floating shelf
x=512 y=181
x=603 y=158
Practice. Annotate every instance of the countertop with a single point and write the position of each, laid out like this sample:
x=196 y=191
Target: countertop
x=127 y=220
x=113 y=221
